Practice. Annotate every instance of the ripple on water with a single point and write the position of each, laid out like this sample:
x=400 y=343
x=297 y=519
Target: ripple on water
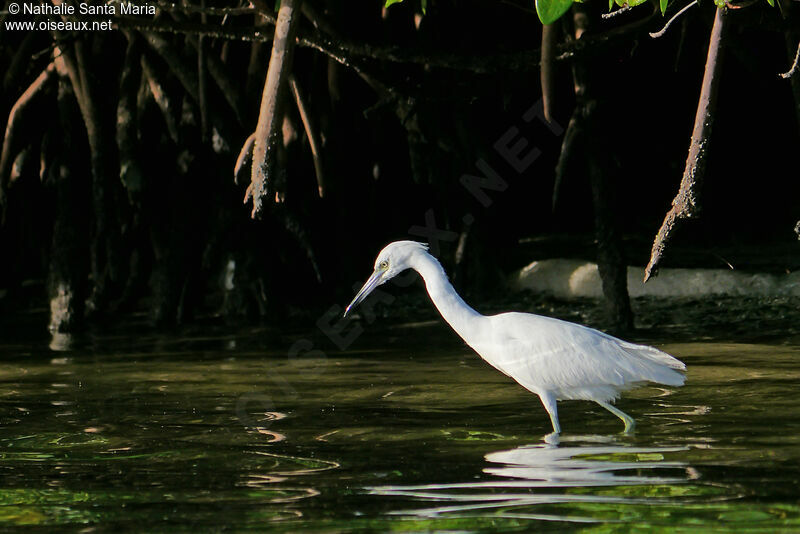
x=588 y=479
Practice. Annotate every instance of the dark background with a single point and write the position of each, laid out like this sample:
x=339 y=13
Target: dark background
x=391 y=157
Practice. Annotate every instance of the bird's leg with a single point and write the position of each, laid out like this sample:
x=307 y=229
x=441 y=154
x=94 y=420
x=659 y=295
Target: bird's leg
x=627 y=419
x=553 y=439
x=549 y=403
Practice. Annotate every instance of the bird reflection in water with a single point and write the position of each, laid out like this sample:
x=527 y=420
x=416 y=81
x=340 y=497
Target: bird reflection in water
x=534 y=476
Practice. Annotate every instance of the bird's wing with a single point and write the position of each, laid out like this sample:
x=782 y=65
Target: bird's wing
x=547 y=354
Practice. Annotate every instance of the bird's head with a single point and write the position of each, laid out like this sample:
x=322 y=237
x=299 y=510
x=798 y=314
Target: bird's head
x=393 y=259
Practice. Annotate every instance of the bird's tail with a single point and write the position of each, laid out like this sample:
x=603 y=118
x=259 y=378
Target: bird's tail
x=663 y=368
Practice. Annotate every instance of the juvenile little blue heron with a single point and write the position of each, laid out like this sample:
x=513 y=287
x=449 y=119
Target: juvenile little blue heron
x=555 y=359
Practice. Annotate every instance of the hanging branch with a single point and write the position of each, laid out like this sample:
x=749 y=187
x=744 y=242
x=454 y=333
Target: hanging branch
x=686 y=205
x=270 y=115
x=66 y=65
x=16 y=116
x=547 y=71
x=202 y=85
x=103 y=164
x=20 y=62
x=130 y=171
x=47 y=153
x=319 y=22
x=622 y=9
x=157 y=86
x=791 y=39
x=793 y=68
x=187 y=73
x=577 y=122
x=245 y=155
x=313 y=138
x=21 y=163
x=227 y=85
x=662 y=31
x=177 y=64
x=573 y=133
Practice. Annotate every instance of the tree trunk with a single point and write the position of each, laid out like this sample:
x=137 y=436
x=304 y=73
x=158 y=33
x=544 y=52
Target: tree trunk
x=68 y=269
x=610 y=263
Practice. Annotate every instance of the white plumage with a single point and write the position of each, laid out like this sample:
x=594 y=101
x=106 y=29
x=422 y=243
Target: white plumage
x=555 y=359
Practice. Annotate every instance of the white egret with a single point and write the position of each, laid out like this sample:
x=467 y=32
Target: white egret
x=555 y=359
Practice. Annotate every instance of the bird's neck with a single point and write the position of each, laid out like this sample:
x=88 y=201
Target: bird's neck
x=458 y=314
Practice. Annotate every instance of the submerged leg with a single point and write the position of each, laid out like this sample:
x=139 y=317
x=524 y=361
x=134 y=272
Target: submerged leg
x=627 y=419
x=549 y=403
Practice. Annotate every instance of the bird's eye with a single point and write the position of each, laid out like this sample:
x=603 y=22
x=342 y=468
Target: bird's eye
x=384 y=265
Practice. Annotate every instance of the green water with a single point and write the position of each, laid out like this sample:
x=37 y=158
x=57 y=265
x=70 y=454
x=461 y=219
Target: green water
x=407 y=430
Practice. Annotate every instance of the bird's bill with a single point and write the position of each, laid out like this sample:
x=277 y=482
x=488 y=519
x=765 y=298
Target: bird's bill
x=374 y=281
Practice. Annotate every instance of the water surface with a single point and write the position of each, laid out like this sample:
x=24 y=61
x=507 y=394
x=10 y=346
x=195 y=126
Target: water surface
x=236 y=429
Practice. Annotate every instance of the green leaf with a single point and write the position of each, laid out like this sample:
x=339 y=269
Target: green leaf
x=550 y=10
x=634 y=3
x=720 y=3
x=610 y=5
x=424 y=4
x=771 y=2
x=663 y=6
